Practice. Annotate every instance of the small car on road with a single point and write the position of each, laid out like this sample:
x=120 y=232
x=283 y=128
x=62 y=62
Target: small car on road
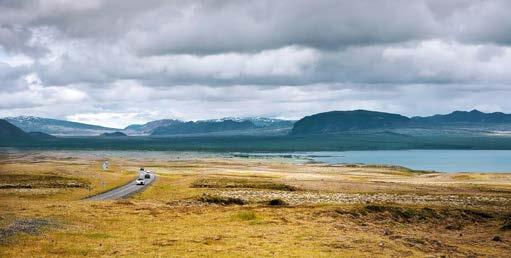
x=140 y=181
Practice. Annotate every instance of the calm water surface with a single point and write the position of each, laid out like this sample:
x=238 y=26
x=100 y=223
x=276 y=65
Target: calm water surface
x=433 y=160
x=438 y=160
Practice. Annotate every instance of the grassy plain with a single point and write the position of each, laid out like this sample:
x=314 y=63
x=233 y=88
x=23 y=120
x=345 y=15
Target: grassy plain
x=235 y=207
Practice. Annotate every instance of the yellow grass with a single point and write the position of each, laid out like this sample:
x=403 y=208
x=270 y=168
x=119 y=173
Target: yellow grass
x=167 y=219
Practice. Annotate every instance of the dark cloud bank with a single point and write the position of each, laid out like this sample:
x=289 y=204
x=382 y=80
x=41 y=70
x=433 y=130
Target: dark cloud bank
x=119 y=62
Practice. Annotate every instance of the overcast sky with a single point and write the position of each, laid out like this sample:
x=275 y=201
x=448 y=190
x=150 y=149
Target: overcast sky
x=117 y=62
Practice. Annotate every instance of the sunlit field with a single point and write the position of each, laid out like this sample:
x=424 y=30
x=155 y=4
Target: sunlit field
x=248 y=207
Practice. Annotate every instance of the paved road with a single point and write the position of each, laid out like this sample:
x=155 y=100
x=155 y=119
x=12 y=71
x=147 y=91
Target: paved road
x=123 y=191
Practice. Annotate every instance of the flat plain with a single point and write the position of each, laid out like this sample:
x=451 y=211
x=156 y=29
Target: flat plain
x=231 y=207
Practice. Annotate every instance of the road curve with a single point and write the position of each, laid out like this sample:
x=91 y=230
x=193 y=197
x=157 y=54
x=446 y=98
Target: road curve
x=123 y=191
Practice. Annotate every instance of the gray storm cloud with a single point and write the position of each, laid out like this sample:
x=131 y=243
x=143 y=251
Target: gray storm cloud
x=87 y=60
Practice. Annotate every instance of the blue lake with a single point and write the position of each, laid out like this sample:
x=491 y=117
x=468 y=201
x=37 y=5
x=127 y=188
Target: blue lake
x=498 y=161
x=437 y=160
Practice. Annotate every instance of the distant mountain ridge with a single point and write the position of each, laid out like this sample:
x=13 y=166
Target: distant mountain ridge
x=322 y=123
x=341 y=121
x=201 y=127
x=261 y=125
x=456 y=117
x=10 y=133
x=262 y=121
x=56 y=126
x=227 y=124
x=149 y=127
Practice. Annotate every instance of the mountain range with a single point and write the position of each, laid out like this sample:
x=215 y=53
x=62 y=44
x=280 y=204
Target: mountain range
x=201 y=127
x=322 y=123
x=56 y=126
x=232 y=125
x=149 y=127
x=342 y=121
x=474 y=117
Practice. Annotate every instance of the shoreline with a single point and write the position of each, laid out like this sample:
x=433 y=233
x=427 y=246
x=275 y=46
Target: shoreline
x=333 y=158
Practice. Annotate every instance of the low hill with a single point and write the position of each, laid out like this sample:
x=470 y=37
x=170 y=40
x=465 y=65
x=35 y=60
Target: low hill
x=56 y=126
x=11 y=133
x=114 y=134
x=340 y=121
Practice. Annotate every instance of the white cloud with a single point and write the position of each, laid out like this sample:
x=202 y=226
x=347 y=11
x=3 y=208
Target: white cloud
x=34 y=94
x=287 y=61
x=207 y=59
x=108 y=119
x=452 y=61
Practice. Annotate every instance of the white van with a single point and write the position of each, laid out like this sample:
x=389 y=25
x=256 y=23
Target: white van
x=141 y=173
